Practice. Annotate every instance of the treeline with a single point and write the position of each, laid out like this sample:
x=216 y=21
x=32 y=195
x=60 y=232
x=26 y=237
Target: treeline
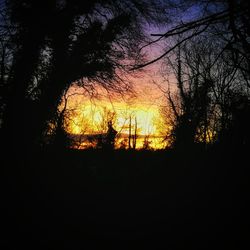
x=48 y=45
x=208 y=99
x=206 y=67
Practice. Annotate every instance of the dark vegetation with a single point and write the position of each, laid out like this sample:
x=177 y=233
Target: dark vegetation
x=160 y=200
x=194 y=195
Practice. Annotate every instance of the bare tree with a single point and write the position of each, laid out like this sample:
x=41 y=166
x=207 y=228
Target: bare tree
x=98 y=42
x=205 y=85
x=135 y=134
x=225 y=20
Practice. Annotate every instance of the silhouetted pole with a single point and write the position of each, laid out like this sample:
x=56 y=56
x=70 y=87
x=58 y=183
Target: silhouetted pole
x=129 y=134
x=135 y=135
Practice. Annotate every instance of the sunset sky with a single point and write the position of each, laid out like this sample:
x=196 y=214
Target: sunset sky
x=145 y=102
x=144 y=105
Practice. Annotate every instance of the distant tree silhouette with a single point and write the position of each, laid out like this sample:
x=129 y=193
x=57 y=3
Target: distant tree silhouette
x=129 y=133
x=110 y=137
x=146 y=143
x=135 y=134
x=132 y=138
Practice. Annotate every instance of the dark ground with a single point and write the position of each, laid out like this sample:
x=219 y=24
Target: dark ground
x=120 y=200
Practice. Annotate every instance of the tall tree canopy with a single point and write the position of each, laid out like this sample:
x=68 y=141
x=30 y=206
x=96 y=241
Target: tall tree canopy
x=47 y=45
x=56 y=42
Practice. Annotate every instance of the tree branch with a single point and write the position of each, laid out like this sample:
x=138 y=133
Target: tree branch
x=171 y=49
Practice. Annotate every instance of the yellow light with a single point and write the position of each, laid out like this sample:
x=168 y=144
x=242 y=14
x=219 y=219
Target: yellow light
x=90 y=117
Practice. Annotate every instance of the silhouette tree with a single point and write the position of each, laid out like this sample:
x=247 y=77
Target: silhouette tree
x=60 y=42
x=132 y=138
x=206 y=86
x=135 y=134
x=110 y=137
x=191 y=108
x=226 y=24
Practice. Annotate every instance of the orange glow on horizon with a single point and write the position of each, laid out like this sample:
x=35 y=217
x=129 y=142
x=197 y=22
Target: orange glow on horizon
x=87 y=118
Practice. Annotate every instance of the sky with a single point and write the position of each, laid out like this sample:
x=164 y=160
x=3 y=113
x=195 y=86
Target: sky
x=145 y=104
x=85 y=114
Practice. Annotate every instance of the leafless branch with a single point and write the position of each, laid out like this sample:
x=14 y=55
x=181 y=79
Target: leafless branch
x=171 y=49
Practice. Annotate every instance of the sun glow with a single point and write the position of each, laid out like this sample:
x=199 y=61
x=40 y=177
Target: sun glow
x=86 y=119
